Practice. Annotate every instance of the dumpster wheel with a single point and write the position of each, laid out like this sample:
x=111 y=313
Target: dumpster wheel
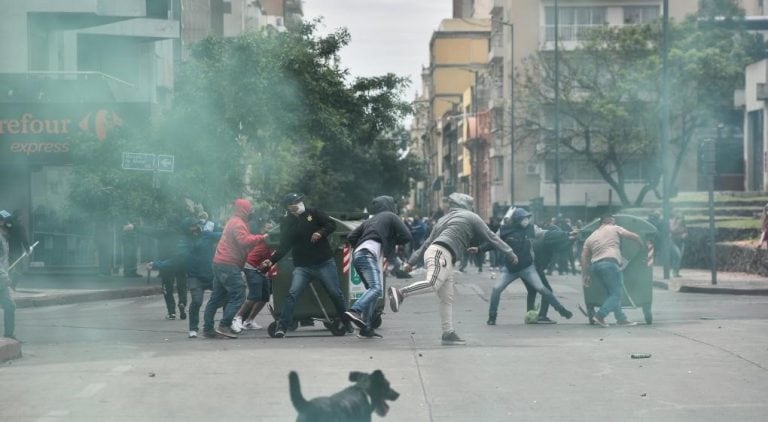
x=337 y=328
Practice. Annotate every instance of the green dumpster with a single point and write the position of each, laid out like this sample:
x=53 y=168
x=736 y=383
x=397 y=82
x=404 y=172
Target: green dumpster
x=314 y=304
x=637 y=267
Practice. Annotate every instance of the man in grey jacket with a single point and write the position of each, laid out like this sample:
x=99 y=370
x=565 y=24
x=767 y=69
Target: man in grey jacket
x=447 y=243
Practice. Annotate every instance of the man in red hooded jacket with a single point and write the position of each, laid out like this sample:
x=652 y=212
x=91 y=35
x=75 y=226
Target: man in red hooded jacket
x=228 y=284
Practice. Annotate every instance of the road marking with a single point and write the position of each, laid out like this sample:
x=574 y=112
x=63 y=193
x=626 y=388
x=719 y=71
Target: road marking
x=119 y=370
x=90 y=390
x=54 y=415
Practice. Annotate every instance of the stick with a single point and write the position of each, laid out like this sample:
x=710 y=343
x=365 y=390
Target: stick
x=31 y=248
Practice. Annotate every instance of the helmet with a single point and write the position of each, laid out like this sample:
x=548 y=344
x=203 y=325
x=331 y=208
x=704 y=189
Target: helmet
x=290 y=199
x=5 y=215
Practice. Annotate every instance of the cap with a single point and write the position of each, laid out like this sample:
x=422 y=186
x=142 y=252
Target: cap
x=291 y=198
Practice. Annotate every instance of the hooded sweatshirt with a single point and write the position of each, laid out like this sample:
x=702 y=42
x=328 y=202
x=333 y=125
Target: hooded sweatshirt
x=384 y=227
x=296 y=234
x=236 y=241
x=460 y=228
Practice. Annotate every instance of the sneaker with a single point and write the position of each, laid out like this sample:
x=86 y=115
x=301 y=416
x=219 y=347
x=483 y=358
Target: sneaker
x=395 y=299
x=280 y=331
x=251 y=325
x=600 y=321
x=209 y=334
x=356 y=318
x=225 y=331
x=348 y=326
x=491 y=320
x=626 y=323
x=368 y=333
x=182 y=312
x=545 y=320
x=566 y=314
x=452 y=339
x=237 y=325
x=192 y=334
x=170 y=316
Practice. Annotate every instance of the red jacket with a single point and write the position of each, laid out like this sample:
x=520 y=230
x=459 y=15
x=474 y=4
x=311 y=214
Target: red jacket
x=236 y=241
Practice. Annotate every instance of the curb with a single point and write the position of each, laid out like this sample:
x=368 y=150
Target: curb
x=9 y=349
x=723 y=291
x=663 y=285
x=68 y=298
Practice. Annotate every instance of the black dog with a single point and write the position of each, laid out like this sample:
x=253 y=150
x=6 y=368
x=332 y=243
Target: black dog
x=348 y=405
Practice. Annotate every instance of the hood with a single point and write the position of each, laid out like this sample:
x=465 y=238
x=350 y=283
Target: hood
x=383 y=203
x=242 y=208
x=519 y=214
x=461 y=200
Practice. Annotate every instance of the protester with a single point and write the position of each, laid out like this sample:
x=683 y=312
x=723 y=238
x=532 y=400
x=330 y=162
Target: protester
x=447 y=244
x=601 y=260
x=228 y=284
x=130 y=248
x=194 y=257
x=259 y=285
x=519 y=234
x=18 y=243
x=544 y=250
x=6 y=300
x=418 y=233
x=763 y=228
x=678 y=233
x=375 y=238
x=304 y=232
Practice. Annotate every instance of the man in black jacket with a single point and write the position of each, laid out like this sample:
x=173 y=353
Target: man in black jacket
x=374 y=238
x=304 y=232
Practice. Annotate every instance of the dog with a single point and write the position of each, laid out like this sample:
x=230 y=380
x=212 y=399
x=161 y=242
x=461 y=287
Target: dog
x=348 y=405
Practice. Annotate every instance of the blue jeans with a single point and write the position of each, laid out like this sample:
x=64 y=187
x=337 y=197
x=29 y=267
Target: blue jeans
x=327 y=274
x=367 y=266
x=228 y=291
x=610 y=276
x=258 y=285
x=531 y=278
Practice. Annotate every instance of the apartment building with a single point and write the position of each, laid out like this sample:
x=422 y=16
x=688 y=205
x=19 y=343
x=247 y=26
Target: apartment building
x=519 y=29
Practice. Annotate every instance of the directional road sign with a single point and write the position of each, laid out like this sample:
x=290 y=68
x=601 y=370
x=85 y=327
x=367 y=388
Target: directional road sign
x=138 y=161
x=165 y=163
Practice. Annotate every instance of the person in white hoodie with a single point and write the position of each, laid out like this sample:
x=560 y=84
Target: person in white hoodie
x=447 y=243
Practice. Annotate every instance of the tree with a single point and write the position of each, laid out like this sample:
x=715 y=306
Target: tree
x=611 y=95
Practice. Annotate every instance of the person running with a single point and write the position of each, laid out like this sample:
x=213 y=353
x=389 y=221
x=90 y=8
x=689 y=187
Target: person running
x=519 y=234
x=304 y=232
x=6 y=300
x=259 y=287
x=375 y=238
x=228 y=284
x=601 y=259
x=193 y=257
x=447 y=244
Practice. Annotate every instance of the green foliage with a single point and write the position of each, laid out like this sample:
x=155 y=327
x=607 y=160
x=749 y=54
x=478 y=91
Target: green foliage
x=611 y=94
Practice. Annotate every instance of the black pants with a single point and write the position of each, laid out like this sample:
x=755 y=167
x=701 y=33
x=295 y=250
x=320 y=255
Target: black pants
x=129 y=255
x=530 y=300
x=168 y=278
x=9 y=308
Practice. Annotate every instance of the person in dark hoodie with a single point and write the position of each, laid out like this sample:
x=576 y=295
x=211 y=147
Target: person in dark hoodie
x=193 y=257
x=375 y=238
x=228 y=262
x=304 y=232
x=446 y=245
x=544 y=250
x=519 y=233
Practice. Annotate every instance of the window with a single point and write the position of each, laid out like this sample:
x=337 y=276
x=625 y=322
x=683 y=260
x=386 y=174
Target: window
x=634 y=15
x=575 y=169
x=574 y=22
x=497 y=170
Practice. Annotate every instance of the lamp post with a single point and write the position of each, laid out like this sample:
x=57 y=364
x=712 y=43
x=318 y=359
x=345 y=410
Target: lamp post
x=557 y=111
x=665 y=139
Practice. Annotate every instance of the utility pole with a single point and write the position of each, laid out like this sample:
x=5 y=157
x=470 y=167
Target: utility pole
x=557 y=110
x=664 y=147
x=512 y=114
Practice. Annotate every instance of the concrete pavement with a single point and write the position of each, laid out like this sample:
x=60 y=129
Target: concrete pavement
x=46 y=290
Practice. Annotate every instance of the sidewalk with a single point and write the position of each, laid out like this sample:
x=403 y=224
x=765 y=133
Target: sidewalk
x=700 y=281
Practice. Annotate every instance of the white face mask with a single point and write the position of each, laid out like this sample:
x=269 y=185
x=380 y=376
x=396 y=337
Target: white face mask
x=525 y=221
x=297 y=209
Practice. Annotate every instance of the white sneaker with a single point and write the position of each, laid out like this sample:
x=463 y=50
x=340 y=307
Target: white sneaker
x=251 y=325
x=237 y=325
x=193 y=334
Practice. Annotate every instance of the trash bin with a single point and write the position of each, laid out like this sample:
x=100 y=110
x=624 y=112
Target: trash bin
x=314 y=304
x=637 y=267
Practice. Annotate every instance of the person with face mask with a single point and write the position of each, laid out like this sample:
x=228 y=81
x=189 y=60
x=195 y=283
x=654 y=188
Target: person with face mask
x=519 y=233
x=304 y=232
x=6 y=300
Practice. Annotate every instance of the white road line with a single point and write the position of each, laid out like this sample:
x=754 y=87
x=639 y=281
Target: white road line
x=54 y=415
x=90 y=390
x=119 y=370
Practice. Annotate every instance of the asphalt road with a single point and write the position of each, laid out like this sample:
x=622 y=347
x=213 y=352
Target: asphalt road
x=120 y=360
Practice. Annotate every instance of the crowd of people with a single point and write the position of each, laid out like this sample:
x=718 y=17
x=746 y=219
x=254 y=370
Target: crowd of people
x=235 y=262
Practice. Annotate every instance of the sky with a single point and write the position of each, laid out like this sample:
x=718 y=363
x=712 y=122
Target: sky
x=387 y=35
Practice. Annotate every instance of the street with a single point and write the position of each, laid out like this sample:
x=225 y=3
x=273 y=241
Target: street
x=120 y=360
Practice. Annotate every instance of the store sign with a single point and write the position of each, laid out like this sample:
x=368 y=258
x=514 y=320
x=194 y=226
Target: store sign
x=42 y=131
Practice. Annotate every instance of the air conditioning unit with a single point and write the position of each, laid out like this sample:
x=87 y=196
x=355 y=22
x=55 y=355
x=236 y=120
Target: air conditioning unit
x=533 y=169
